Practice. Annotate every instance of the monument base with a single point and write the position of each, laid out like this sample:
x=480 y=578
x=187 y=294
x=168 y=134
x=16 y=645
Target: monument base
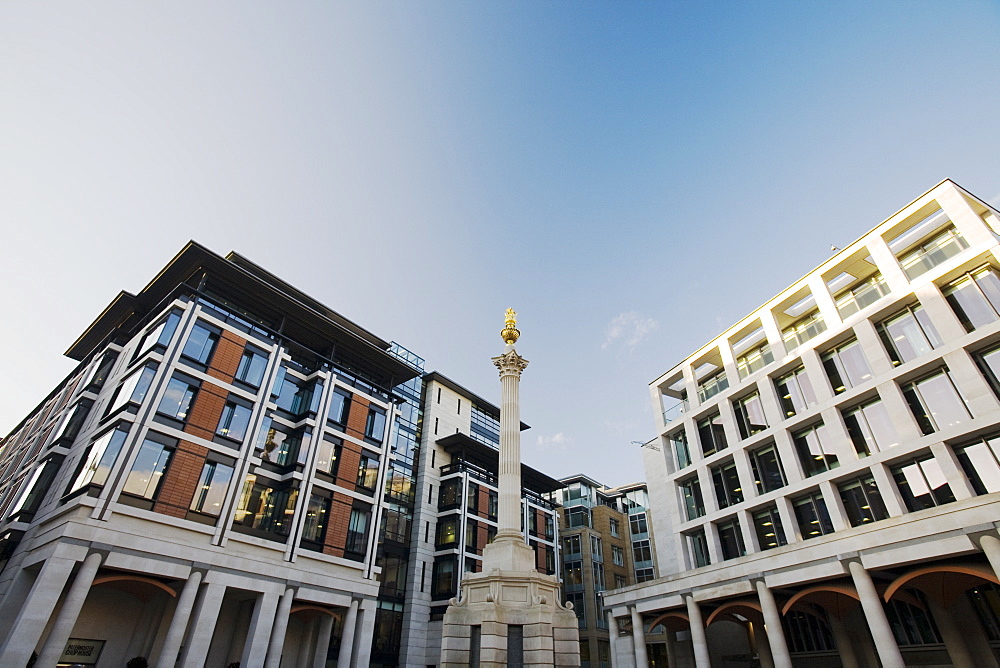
x=509 y=618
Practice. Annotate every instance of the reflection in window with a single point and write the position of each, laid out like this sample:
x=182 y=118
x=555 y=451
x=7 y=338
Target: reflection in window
x=177 y=398
x=767 y=525
x=99 y=374
x=316 y=516
x=712 y=385
x=212 y=486
x=921 y=483
x=357 y=530
x=235 y=420
x=908 y=335
x=698 y=545
x=979 y=461
x=812 y=515
x=935 y=402
x=870 y=428
x=750 y=415
x=726 y=480
x=975 y=298
x=846 y=366
x=731 y=539
x=100 y=457
x=573 y=574
x=711 y=434
x=767 y=470
x=862 y=500
x=340 y=403
x=266 y=507
x=201 y=343
x=860 y=296
x=133 y=389
x=159 y=335
x=678 y=440
x=911 y=625
x=691 y=493
x=989 y=363
x=794 y=392
x=375 y=424
x=944 y=245
x=71 y=424
x=444 y=583
x=252 y=367
x=146 y=476
x=803 y=329
x=754 y=360
x=815 y=453
x=368 y=471
x=808 y=632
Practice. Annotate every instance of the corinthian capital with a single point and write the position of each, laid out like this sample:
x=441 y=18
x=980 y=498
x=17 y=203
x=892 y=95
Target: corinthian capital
x=510 y=364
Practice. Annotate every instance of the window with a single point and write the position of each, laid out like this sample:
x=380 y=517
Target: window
x=211 y=490
x=596 y=549
x=767 y=470
x=178 y=397
x=235 y=420
x=578 y=516
x=34 y=490
x=726 y=480
x=574 y=574
x=808 y=632
x=985 y=600
x=812 y=515
x=71 y=425
x=340 y=404
x=846 y=366
x=711 y=434
x=621 y=581
x=644 y=574
x=444 y=582
x=280 y=447
x=710 y=386
x=862 y=500
x=375 y=425
x=942 y=246
x=975 y=298
x=159 y=336
x=294 y=396
x=691 y=494
x=450 y=495
x=101 y=371
x=642 y=553
x=908 y=335
x=147 y=472
x=328 y=454
x=97 y=461
x=133 y=389
x=794 y=392
x=803 y=329
x=599 y=584
x=396 y=522
x=698 y=545
x=201 y=344
x=615 y=527
x=870 y=428
x=637 y=524
x=910 y=624
x=357 y=531
x=767 y=525
x=861 y=295
x=921 y=483
x=813 y=447
x=979 y=461
x=576 y=598
x=679 y=441
x=754 y=360
x=731 y=539
x=989 y=364
x=935 y=402
x=252 y=367
x=572 y=544
x=446 y=534
x=368 y=471
x=266 y=508
x=750 y=415
x=617 y=555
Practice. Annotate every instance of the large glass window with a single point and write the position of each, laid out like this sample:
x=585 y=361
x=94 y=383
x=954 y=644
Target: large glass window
x=642 y=553
x=908 y=334
x=710 y=386
x=160 y=335
x=252 y=366
x=599 y=583
x=617 y=555
x=812 y=515
x=573 y=575
x=100 y=457
x=357 y=530
x=698 y=545
x=446 y=534
x=368 y=471
x=935 y=402
x=450 y=495
x=70 y=427
x=750 y=415
x=201 y=343
x=211 y=490
x=910 y=624
x=577 y=516
x=975 y=298
x=808 y=632
x=921 y=483
x=295 y=396
x=133 y=389
x=445 y=578
x=375 y=425
x=99 y=374
x=979 y=461
x=177 y=398
x=989 y=363
x=572 y=544
x=146 y=476
x=813 y=447
x=638 y=525
x=266 y=507
x=711 y=434
x=803 y=329
x=731 y=539
x=794 y=392
x=280 y=445
x=862 y=500
x=861 y=295
x=235 y=420
x=946 y=244
x=767 y=470
x=870 y=428
x=767 y=525
x=846 y=366
x=340 y=404
x=679 y=441
x=691 y=494
x=34 y=490
x=754 y=360
x=726 y=480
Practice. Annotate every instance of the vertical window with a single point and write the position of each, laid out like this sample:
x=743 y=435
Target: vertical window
x=935 y=402
x=812 y=515
x=201 y=343
x=750 y=415
x=340 y=402
x=212 y=486
x=133 y=389
x=642 y=553
x=578 y=516
x=726 y=480
x=617 y=555
x=147 y=472
x=908 y=335
x=357 y=530
x=70 y=427
x=767 y=525
x=368 y=471
x=638 y=525
x=767 y=470
x=862 y=500
x=803 y=329
x=573 y=575
x=444 y=581
x=34 y=490
x=328 y=454
x=731 y=539
x=599 y=584
x=576 y=598
x=975 y=298
x=596 y=548
x=808 y=632
x=860 y=296
x=710 y=386
x=101 y=371
x=100 y=457
x=691 y=493
x=620 y=580
x=446 y=533
x=266 y=507
x=698 y=545
x=375 y=425
x=252 y=367
x=279 y=447
x=294 y=396
x=979 y=461
x=870 y=428
x=450 y=495
x=680 y=445
x=846 y=366
x=160 y=335
x=812 y=446
x=317 y=513
x=989 y=364
x=235 y=420
x=711 y=434
x=615 y=527
x=177 y=398
x=921 y=483
x=794 y=392
x=754 y=360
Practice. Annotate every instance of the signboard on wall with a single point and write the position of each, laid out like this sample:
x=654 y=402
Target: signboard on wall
x=81 y=651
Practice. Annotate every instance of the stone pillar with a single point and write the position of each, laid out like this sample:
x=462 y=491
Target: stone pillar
x=772 y=621
x=323 y=641
x=179 y=622
x=510 y=365
x=845 y=648
x=307 y=646
x=761 y=645
x=952 y=635
x=671 y=648
x=871 y=603
x=72 y=604
x=613 y=638
x=34 y=615
x=639 y=639
x=347 y=636
x=699 y=643
x=990 y=546
x=277 y=643
x=255 y=649
x=203 y=626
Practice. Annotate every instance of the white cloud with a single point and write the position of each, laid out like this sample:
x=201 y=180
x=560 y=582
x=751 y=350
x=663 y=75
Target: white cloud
x=559 y=441
x=628 y=330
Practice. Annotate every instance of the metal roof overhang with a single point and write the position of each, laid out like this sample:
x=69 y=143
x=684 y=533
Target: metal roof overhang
x=488 y=458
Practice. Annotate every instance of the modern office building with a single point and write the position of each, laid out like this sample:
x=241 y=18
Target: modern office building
x=825 y=481
x=230 y=474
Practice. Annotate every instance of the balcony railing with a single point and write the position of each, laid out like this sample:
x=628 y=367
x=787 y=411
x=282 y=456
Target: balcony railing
x=676 y=411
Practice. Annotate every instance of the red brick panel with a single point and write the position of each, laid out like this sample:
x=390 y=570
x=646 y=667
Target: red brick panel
x=482 y=537
x=347 y=467
x=336 y=531
x=484 y=502
x=357 y=418
x=540 y=557
x=181 y=480
x=226 y=360
x=206 y=411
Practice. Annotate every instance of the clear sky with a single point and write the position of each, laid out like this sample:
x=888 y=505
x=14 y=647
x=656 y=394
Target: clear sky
x=632 y=177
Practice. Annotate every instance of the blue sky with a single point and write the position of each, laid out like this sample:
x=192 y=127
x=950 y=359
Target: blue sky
x=631 y=177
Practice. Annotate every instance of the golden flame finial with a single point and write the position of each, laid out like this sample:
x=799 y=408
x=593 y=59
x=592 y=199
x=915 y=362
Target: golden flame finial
x=510 y=332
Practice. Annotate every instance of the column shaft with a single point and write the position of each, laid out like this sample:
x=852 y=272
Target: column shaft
x=775 y=632
x=991 y=548
x=347 y=636
x=845 y=648
x=70 y=611
x=255 y=647
x=509 y=478
x=671 y=648
x=278 y=632
x=952 y=635
x=34 y=615
x=179 y=622
x=699 y=643
x=613 y=638
x=639 y=639
x=205 y=619
x=323 y=641
x=871 y=603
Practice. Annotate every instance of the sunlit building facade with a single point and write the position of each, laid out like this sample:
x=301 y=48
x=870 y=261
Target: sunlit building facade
x=825 y=478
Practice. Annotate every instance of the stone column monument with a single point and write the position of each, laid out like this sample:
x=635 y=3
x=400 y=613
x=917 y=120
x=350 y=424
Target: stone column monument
x=509 y=614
